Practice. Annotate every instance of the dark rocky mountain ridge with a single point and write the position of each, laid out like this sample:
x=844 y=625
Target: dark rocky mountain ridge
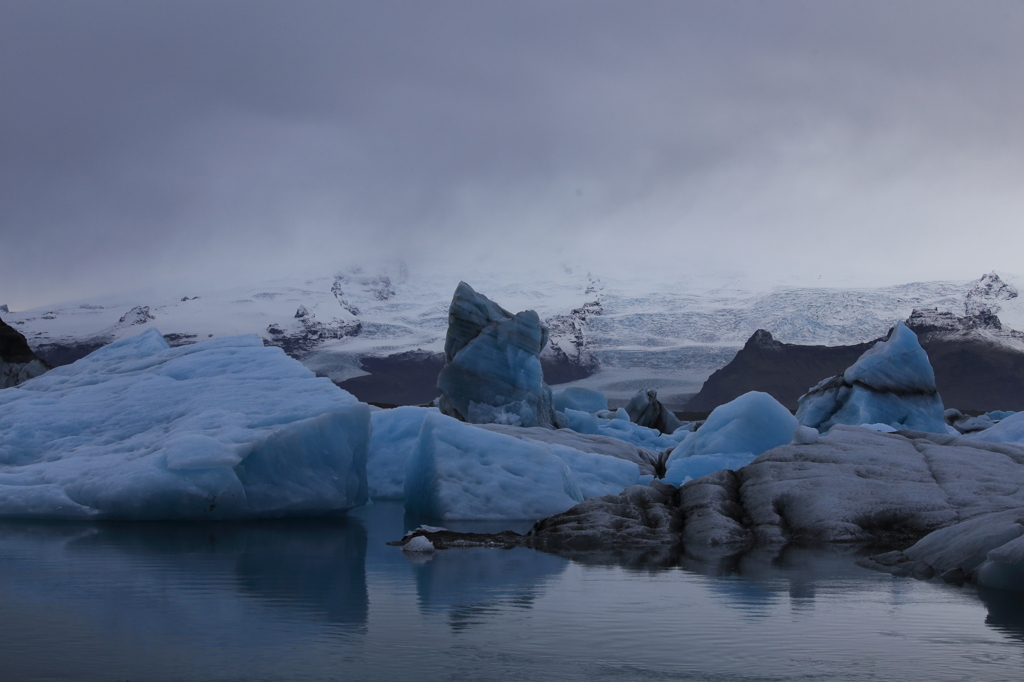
x=17 y=361
x=979 y=364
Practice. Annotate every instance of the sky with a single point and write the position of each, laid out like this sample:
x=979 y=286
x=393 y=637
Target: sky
x=226 y=142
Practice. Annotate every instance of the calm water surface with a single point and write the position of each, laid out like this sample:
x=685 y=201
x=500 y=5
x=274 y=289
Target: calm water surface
x=329 y=600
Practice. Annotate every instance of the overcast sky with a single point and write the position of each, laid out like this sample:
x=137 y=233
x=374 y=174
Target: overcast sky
x=140 y=142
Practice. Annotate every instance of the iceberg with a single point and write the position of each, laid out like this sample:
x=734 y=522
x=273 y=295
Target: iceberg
x=623 y=429
x=223 y=429
x=577 y=398
x=646 y=410
x=1007 y=430
x=394 y=436
x=458 y=471
x=492 y=371
x=733 y=435
x=601 y=465
x=891 y=383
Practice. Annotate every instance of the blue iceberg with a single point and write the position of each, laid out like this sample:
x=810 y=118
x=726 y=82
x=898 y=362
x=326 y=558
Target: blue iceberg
x=891 y=383
x=492 y=372
x=222 y=429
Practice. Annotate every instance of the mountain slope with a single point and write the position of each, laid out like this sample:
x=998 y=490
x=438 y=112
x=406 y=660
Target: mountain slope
x=979 y=364
x=616 y=335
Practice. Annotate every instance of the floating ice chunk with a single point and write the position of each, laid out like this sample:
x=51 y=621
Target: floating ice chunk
x=225 y=428
x=754 y=422
x=733 y=435
x=623 y=429
x=418 y=544
x=582 y=399
x=1008 y=430
x=959 y=422
x=898 y=364
x=597 y=444
x=460 y=472
x=492 y=371
x=597 y=474
x=891 y=383
x=394 y=435
x=646 y=410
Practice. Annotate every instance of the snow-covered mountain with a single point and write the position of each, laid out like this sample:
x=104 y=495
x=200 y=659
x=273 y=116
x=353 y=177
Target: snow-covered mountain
x=626 y=334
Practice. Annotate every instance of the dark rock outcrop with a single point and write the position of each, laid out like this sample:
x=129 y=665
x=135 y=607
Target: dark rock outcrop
x=986 y=293
x=978 y=364
x=17 y=361
x=307 y=333
x=568 y=355
x=852 y=485
x=783 y=370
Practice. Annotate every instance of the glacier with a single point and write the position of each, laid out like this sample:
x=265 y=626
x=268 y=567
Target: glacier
x=891 y=383
x=223 y=429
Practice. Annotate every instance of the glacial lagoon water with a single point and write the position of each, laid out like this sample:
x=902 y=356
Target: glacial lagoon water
x=328 y=600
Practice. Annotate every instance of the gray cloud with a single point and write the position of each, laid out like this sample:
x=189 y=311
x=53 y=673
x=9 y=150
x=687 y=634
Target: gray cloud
x=149 y=141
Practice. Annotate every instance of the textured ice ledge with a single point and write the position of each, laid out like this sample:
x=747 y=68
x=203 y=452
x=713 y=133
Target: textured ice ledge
x=226 y=428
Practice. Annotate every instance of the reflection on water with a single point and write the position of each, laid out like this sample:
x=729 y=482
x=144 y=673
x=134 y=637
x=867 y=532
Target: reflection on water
x=472 y=584
x=1005 y=611
x=330 y=600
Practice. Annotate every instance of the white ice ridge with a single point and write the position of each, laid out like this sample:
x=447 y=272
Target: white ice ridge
x=222 y=429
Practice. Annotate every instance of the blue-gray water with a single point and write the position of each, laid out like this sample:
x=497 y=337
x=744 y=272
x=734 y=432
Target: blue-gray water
x=329 y=600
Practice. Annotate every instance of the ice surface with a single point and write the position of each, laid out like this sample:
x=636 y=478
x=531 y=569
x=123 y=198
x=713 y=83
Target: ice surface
x=492 y=371
x=1008 y=430
x=891 y=383
x=394 y=435
x=460 y=472
x=226 y=428
x=685 y=469
x=733 y=435
x=805 y=435
x=582 y=399
x=600 y=464
x=620 y=427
